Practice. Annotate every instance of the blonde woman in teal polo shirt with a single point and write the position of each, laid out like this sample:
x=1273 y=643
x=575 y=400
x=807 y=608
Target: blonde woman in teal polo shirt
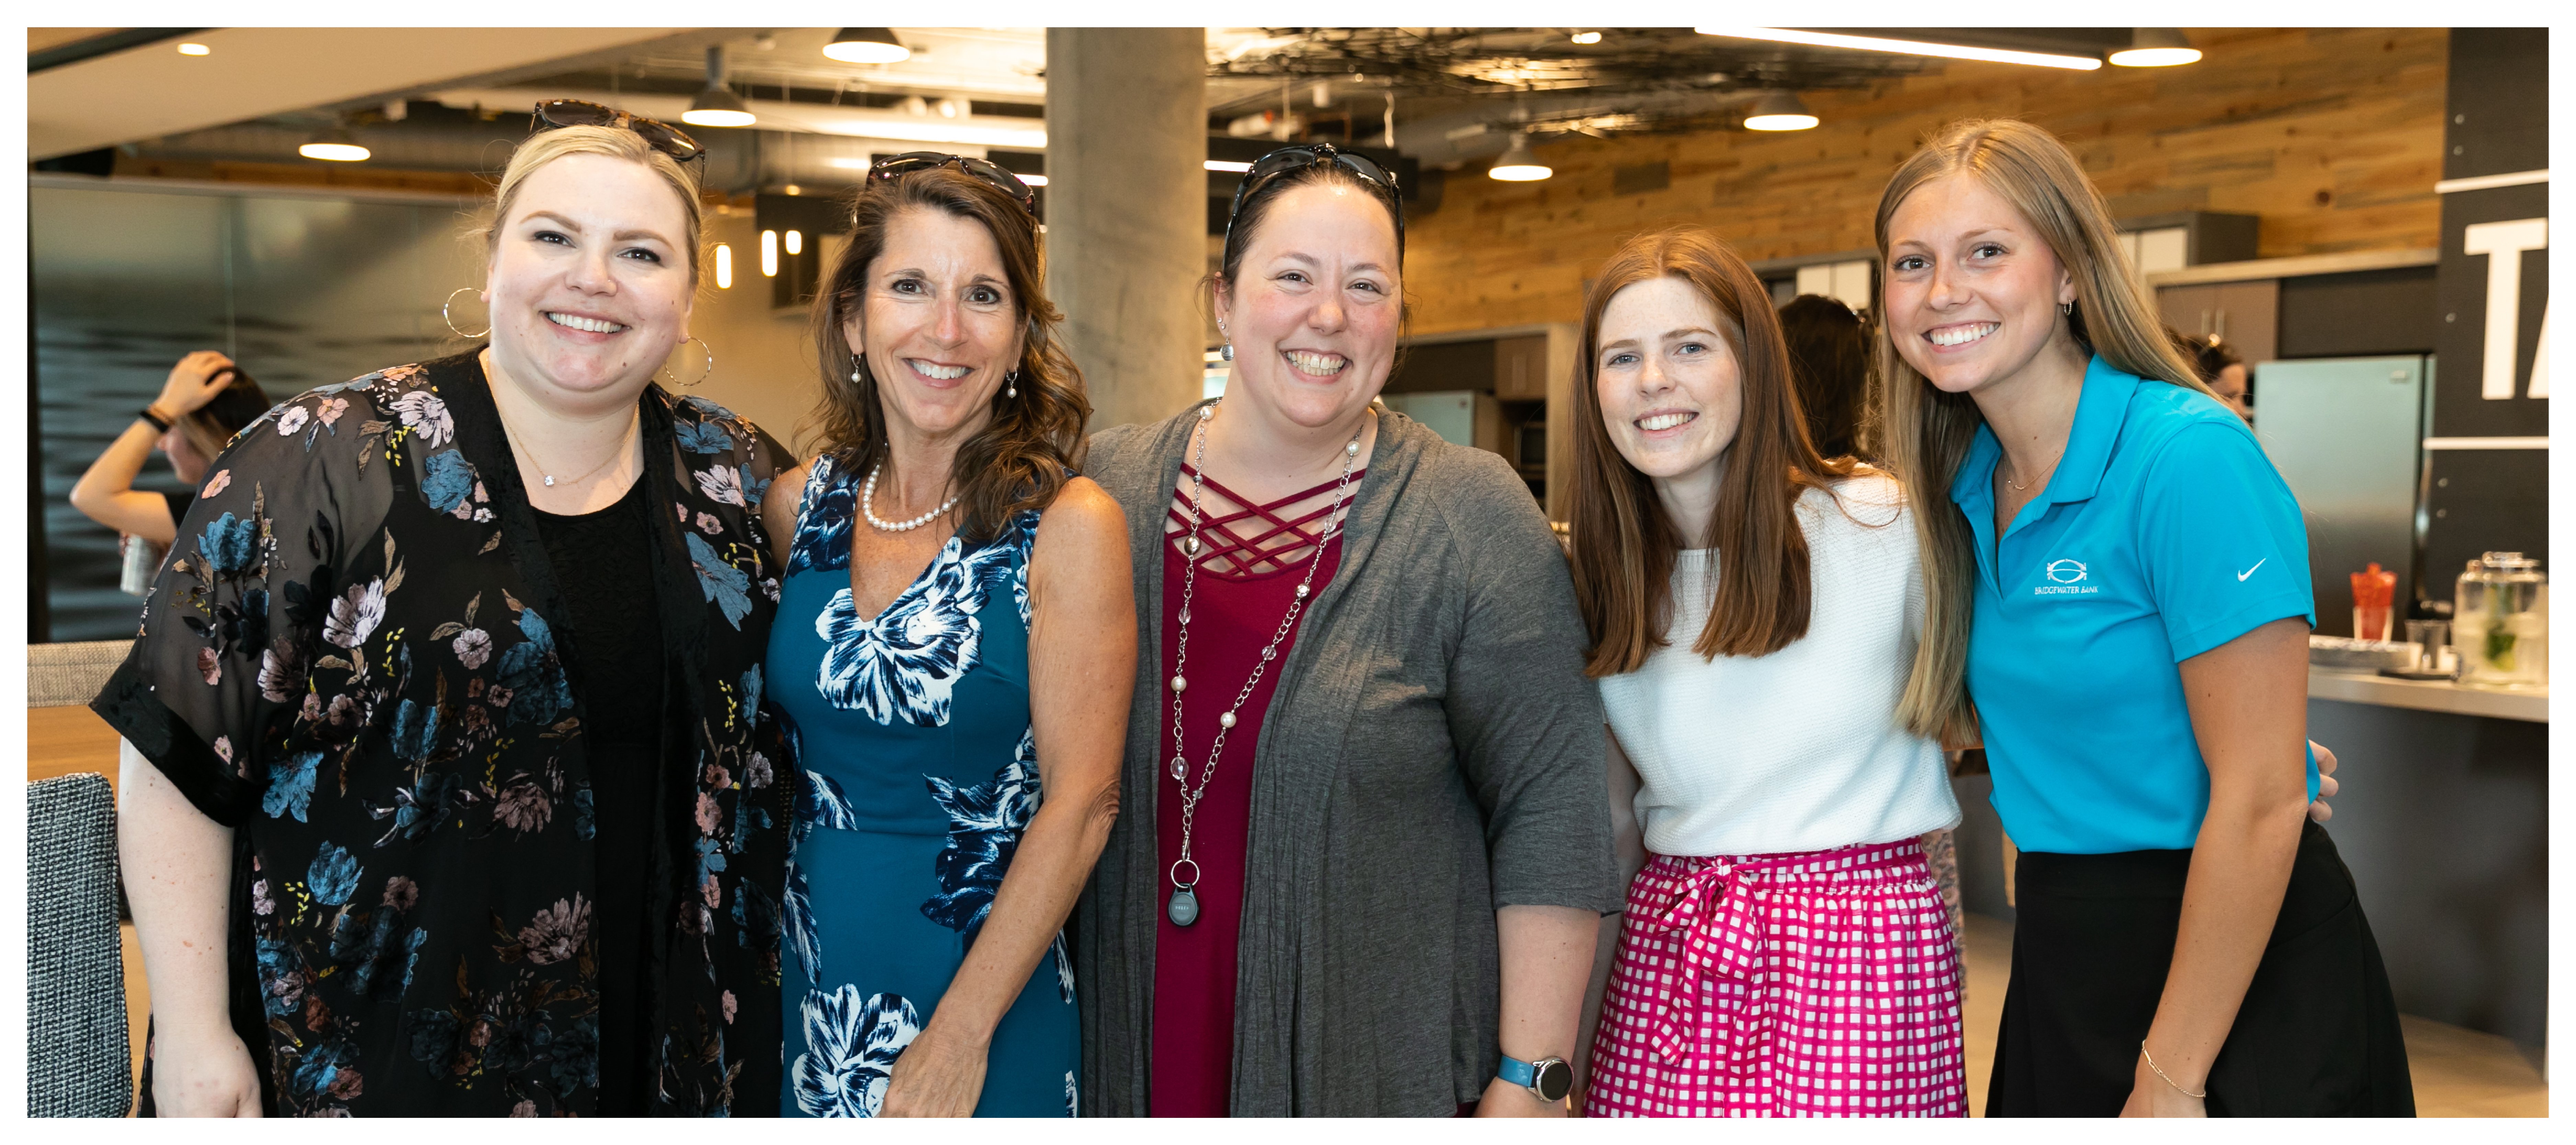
x=2120 y=604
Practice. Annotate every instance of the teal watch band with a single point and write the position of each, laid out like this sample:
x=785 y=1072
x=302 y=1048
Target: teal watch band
x=1549 y=1078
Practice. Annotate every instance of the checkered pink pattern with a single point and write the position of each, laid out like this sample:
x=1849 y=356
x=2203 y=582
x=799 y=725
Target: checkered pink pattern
x=1805 y=985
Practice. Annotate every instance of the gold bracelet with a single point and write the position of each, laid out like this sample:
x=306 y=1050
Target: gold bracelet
x=2151 y=1064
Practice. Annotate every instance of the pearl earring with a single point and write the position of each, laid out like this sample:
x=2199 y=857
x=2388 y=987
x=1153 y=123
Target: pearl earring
x=1011 y=382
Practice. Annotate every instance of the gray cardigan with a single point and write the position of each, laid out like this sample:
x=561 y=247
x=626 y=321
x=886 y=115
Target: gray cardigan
x=1434 y=752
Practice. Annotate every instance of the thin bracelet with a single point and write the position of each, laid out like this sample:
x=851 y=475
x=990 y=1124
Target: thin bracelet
x=2151 y=1064
x=147 y=413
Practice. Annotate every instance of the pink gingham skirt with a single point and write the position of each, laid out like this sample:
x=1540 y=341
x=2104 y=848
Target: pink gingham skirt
x=1821 y=984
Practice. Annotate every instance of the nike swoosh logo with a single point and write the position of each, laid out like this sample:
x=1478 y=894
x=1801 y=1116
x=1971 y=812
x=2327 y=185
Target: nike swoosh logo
x=2240 y=577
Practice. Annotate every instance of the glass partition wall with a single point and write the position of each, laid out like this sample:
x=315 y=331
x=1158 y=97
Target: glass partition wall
x=302 y=289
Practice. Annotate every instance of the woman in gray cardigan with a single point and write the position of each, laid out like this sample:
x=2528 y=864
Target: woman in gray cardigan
x=1366 y=837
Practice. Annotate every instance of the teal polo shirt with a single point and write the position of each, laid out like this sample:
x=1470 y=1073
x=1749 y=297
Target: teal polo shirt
x=2165 y=532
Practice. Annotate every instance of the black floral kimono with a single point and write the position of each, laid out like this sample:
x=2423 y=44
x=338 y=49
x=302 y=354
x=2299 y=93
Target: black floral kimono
x=357 y=658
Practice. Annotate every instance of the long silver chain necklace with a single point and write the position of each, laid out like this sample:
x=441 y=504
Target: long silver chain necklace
x=1184 y=906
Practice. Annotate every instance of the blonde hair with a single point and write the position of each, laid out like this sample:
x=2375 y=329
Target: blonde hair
x=1925 y=432
x=615 y=142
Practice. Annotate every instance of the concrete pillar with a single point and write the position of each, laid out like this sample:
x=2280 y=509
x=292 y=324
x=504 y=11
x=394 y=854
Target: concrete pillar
x=1126 y=239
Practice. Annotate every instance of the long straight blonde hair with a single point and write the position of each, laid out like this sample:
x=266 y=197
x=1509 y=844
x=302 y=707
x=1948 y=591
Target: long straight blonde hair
x=1925 y=432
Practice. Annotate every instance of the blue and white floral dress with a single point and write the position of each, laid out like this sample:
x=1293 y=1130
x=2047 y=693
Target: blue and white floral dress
x=919 y=773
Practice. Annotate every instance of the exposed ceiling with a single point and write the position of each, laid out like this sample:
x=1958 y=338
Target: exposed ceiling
x=152 y=90
x=1451 y=94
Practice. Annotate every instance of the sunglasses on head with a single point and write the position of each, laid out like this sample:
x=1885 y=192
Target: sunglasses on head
x=894 y=167
x=1269 y=168
x=661 y=136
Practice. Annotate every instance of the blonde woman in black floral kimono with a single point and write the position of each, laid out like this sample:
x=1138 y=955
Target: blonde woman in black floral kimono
x=462 y=796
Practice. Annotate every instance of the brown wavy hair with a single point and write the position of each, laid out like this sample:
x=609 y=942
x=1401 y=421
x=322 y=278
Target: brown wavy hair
x=1624 y=543
x=1023 y=458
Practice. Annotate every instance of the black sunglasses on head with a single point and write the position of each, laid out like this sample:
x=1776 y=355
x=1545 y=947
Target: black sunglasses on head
x=894 y=167
x=661 y=136
x=1269 y=168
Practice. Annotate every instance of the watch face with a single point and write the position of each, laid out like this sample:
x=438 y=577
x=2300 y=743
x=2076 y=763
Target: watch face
x=1553 y=1079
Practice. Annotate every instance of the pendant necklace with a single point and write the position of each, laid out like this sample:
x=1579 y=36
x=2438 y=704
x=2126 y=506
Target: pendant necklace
x=550 y=479
x=1183 y=908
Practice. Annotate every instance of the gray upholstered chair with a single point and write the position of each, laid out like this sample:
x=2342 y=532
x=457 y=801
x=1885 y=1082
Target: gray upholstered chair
x=79 y=1061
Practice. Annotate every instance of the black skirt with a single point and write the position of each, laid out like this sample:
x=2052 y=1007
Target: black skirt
x=2317 y=1035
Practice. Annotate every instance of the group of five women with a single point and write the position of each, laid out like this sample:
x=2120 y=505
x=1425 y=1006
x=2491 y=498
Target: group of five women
x=510 y=736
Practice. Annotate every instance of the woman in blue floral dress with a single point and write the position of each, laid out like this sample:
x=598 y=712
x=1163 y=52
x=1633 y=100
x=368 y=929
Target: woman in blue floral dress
x=959 y=725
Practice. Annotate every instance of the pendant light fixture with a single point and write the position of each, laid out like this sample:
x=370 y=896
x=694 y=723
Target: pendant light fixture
x=867 y=46
x=2156 y=48
x=1780 y=111
x=1518 y=164
x=336 y=146
x=717 y=105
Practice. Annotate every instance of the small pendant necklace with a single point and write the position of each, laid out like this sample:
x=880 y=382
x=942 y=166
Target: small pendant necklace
x=1183 y=909
x=550 y=479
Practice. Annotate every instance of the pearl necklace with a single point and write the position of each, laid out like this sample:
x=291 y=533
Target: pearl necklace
x=1184 y=906
x=868 y=495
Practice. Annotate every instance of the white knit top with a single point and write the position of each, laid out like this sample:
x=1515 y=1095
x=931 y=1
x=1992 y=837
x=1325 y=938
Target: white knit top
x=1798 y=750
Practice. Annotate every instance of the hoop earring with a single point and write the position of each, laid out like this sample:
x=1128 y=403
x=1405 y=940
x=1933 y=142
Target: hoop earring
x=2066 y=308
x=692 y=383
x=451 y=321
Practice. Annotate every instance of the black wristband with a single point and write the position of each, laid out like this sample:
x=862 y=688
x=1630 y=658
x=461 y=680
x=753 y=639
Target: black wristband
x=158 y=422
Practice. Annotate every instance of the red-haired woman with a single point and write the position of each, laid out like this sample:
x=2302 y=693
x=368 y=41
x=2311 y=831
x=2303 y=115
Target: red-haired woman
x=1753 y=610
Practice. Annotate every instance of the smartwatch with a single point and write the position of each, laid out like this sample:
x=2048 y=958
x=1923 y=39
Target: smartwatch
x=1550 y=1078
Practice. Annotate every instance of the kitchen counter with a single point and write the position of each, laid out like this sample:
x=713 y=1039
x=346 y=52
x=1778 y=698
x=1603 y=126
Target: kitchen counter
x=2531 y=704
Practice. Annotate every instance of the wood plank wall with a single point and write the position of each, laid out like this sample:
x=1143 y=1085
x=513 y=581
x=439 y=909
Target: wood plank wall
x=2333 y=136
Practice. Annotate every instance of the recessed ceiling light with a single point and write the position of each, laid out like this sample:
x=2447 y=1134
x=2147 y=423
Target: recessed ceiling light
x=867 y=46
x=1587 y=37
x=2156 y=48
x=1906 y=47
x=195 y=49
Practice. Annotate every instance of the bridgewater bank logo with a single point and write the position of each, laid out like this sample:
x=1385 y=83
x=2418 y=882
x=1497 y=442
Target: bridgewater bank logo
x=2066 y=578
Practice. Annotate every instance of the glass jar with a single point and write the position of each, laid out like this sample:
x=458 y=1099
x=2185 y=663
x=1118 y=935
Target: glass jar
x=2500 y=622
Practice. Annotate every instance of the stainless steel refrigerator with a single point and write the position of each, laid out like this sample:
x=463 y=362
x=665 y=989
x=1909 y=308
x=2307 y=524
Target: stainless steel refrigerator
x=2348 y=436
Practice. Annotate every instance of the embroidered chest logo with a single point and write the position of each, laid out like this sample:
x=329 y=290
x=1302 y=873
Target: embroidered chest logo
x=2066 y=577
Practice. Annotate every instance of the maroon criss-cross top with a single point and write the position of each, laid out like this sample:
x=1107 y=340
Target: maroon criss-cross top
x=1243 y=550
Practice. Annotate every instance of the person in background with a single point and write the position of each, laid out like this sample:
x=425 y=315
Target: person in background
x=1724 y=567
x=1367 y=840
x=1829 y=355
x=955 y=645
x=1829 y=358
x=2222 y=369
x=450 y=788
x=2117 y=598
x=207 y=399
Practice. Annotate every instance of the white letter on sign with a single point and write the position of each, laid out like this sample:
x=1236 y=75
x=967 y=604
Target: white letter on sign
x=2503 y=244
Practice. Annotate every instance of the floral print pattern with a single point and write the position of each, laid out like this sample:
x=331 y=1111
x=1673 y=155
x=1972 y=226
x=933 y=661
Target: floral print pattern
x=984 y=825
x=922 y=778
x=852 y=1046
x=353 y=659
